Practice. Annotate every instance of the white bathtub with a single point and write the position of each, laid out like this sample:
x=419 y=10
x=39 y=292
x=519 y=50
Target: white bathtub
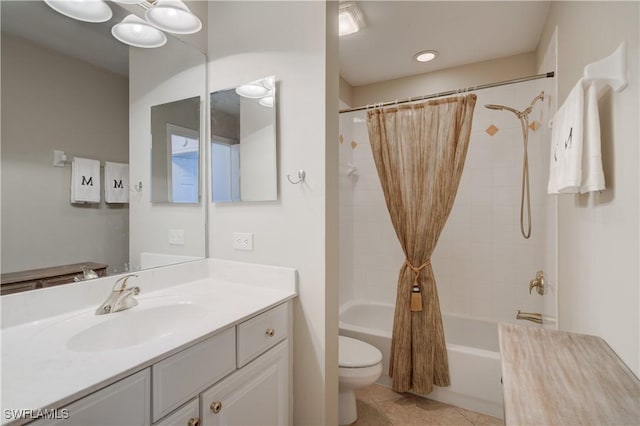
x=472 y=348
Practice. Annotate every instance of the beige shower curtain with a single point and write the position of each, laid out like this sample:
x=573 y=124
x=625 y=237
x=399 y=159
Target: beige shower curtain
x=419 y=151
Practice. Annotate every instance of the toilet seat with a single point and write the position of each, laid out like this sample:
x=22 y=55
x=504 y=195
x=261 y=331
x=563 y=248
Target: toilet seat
x=353 y=353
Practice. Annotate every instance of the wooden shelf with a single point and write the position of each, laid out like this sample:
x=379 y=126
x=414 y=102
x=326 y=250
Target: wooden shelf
x=558 y=378
x=15 y=282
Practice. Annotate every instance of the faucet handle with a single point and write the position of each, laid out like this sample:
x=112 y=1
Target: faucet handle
x=120 y=287
x=537 y=283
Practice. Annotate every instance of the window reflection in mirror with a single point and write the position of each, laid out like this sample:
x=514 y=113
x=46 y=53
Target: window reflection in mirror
x=175 y=146
x=243 y=143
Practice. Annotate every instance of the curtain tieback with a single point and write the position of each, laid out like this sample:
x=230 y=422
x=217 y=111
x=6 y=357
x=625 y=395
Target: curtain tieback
x=416 y=297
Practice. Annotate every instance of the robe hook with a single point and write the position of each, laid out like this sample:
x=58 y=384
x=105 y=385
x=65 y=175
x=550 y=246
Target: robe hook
x=301 y=177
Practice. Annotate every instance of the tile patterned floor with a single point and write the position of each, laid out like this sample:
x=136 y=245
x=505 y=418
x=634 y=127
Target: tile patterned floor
x=380 y=406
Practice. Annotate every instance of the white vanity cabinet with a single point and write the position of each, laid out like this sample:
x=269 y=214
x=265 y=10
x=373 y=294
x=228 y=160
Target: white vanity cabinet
x=239 y=376
x=256 y=393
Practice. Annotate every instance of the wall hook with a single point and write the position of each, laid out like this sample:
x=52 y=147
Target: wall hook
x=138 y=186
x=301 y=176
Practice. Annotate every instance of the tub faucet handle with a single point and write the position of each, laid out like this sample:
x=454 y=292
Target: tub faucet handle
x=537 y=283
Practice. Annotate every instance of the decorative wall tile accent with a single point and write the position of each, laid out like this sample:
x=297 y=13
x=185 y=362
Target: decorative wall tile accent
x=492 y=130
x=354 y=144
x=535 y=125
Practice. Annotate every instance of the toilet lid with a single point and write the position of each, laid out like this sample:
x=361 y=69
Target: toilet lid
x=354 y=353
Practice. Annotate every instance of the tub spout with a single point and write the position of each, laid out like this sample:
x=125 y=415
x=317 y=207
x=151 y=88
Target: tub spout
x=529 y=316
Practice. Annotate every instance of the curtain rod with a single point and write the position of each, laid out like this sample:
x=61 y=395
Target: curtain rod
x=450 y=92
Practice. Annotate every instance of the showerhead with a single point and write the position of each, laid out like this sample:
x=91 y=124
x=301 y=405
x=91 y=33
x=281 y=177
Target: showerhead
x=503 y=108
x=520 y=114
x=492 y=106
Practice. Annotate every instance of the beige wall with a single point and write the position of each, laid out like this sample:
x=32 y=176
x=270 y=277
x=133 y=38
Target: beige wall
x=448 y=79
x=291 y=40
x=346 y=92
x=173 y=72
x=598 y=277
x=53 y=101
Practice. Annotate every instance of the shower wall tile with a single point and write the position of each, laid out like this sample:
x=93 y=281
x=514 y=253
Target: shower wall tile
x=482 y=264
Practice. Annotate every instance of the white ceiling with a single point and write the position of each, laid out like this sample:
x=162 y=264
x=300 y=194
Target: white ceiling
x=462 y=32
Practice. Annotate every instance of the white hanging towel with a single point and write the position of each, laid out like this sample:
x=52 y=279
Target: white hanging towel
x=116 y=182
x=85 y=181
x=576 y=164
x=565 y=170
x=592 y=173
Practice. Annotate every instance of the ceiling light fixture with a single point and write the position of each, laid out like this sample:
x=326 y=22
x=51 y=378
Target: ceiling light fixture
x=425 y=55
x=350 y=19
x=173 y=16
x=82 y=10
x=137 y=32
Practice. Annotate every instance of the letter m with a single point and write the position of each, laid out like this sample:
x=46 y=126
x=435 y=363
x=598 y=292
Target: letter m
x=87 y=182
x=117 y=184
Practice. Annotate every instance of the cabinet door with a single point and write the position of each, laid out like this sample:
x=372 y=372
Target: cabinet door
x=125 y=403
x=257 y=394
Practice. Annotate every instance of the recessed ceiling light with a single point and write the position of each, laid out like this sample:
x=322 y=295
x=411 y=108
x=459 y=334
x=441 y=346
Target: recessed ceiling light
x=350 y=19
x=425 y=55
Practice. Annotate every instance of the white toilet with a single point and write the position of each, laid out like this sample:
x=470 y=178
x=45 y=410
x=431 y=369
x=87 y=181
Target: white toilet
x=360 y=365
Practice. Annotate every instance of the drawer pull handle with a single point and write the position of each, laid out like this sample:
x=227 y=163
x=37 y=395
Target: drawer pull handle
x=270 y=332
x=216 y=407
x=194 y=421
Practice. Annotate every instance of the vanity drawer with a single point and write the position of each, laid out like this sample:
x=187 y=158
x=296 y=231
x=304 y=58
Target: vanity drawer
x=183 y=375
x=261 y=332
x=187 y=415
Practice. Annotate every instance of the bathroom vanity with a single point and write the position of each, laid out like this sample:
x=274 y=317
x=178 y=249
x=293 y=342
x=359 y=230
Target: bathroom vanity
x=213 y=349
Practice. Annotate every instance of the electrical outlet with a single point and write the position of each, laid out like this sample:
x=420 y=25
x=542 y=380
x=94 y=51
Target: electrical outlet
x=243 y=241
x=176 y=237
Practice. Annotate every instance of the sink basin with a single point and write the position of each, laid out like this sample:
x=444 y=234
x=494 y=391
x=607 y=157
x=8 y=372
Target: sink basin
x=133 y=327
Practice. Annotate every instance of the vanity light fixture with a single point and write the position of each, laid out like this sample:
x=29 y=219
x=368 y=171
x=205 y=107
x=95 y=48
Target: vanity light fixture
x=173 y=16
x=262 y=89
x=168 y=15
x=267 y=101
x=425 y=55
x=137 y=32
x=252 y=90
x=82 y=10
x=350 y=19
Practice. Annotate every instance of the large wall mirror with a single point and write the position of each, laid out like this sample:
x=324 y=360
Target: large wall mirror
x=71 y=86
x=243 y=143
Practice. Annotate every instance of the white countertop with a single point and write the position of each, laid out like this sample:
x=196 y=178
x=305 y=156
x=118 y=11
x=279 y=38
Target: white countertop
x=40 y=370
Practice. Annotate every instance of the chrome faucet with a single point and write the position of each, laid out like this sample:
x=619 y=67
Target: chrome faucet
x=529 y=316
x=121 y=297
